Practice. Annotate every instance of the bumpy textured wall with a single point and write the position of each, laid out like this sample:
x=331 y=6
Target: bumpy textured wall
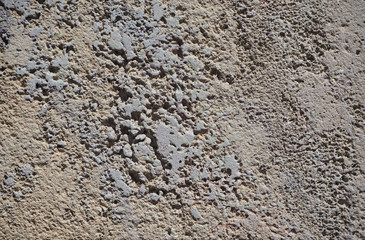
x=184 y=119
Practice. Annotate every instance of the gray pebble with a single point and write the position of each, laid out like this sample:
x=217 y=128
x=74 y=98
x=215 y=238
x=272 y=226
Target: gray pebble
x=195 y=213
x=153 y=198
x=27 y=170
x=18 y=195
x=61 y=144
x=9 y=181
x=127 y=150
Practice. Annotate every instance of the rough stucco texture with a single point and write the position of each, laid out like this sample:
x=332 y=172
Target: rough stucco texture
x=183 y=119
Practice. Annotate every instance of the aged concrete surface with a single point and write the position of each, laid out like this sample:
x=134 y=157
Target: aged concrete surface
x=183 y=119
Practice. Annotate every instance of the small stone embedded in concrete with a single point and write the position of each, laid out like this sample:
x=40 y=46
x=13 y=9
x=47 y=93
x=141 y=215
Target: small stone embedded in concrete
x=158 y=10
x=119 y=183
x=111 y=135
x=9 y=181
x=17 y=195
x=195 y=213
x=115 y=41
x=127 y=150
x=127 y=43
x=27 y=170
x=153 y=197
x=232 y=164
x=61 y=144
